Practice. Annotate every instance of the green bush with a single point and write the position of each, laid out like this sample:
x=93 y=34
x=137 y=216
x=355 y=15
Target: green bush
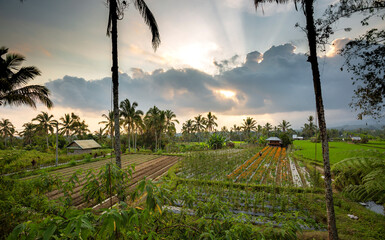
x=216 y=141
x=286 y=140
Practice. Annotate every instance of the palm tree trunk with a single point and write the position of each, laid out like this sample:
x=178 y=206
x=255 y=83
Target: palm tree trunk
x=311 y=35
x=115 y=78
x=129 y=138
x=156 y=142
x=46 y=138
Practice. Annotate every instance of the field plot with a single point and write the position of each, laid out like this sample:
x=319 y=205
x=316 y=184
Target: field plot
x=213 y=165
x=271 y=166
x=252 y=185
x=149 y=166
x=338 y=151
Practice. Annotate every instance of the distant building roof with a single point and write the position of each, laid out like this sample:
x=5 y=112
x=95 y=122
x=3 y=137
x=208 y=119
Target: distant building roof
x=356 y=138
x=83 y=144
x=273 y=139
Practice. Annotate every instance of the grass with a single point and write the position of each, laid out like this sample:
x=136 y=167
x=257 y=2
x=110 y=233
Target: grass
x=337 y=150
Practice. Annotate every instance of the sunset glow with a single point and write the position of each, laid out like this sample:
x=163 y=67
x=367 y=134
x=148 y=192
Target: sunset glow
x=226 y=93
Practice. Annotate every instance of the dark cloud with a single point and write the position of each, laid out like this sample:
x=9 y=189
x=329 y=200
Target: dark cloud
x=282 y=82
x=173 y=89
x=227 y=64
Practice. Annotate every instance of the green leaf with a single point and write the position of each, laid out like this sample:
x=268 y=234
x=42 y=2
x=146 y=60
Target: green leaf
x=49 y=232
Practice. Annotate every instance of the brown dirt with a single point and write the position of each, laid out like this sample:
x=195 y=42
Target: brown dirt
x=150 y=169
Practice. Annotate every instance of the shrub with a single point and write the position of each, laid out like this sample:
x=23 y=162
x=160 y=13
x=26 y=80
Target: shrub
x=216 y=141
x=286 y=140
x=230 y=144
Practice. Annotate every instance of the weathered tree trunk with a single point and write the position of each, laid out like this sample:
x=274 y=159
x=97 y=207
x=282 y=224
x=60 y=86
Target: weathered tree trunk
x=311 y=35
x=115 y=78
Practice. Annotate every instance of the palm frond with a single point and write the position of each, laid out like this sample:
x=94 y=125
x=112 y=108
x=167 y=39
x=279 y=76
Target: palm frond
x=23 y=76
x=149 y=19
x=3 y=50
x=13 y=60
x=27 y=95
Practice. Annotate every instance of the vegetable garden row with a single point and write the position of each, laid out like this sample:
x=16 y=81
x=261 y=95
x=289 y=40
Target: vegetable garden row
x=75 y=182
x=269 y=166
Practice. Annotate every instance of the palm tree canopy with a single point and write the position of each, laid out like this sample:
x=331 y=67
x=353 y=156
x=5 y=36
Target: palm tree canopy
x=6 y=128
x=46 y=123
x=249 y=124
x=199 y=123
x=13 y=79
x=210 y=121
x=284 y=125
x=129 y=113
x=144 y=11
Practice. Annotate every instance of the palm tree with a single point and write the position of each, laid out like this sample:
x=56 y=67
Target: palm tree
x=67 y=125
x=99 y=134
x=138 y=126
x=109 y=125
x=155 y=122
x=6 y=130
x=267 y=128
x=28 y=132
x=128 y=112
x=45 y=124
x=170 y=122
x=308 y=9
x=284 y=125
x=188 y=128
x=210 y=122
x=199 y=124
x=82 y=128
x=248 y=125
x=116 y=8
x=13 y=81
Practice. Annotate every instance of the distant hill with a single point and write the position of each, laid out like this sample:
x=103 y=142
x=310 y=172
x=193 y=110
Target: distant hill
x=362 y=126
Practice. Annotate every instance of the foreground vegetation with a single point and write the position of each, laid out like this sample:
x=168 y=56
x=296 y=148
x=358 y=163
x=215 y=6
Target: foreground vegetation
x=196 y=200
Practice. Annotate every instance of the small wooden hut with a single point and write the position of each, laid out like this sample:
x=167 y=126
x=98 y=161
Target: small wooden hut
x=274 y=141
x=82 y=146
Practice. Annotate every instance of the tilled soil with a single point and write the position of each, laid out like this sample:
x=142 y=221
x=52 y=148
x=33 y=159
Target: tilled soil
x=149 y=168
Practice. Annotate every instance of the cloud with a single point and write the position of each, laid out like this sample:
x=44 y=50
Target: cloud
x=276 y=81
x=336 y=46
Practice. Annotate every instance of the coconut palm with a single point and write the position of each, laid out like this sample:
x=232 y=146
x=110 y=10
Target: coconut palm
x=99 y=134
x=138 y=126
x=14 y=80
x=188 y=128
x=67 y=125
x=128 y=112
x=28 y=132
x=267 y=128
x=82 y=128
x=116 y=8
x=170 y=122
x=7 y=130
x=248 y=125
x=236 y=129
x=155 y=123
x=199 y=124
x=210 y=122
x=284 y=125
x=308 y=10
x=46 y=124
x=109 y=124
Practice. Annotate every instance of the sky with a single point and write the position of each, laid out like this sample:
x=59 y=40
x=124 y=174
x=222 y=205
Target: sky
x=215 y=55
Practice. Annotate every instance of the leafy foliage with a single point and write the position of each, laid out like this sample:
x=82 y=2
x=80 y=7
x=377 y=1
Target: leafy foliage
x=364 y=57
x=362 y=178
x=216 y=141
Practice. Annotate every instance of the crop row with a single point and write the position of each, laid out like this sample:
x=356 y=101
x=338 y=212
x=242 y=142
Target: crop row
x=270 y=166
